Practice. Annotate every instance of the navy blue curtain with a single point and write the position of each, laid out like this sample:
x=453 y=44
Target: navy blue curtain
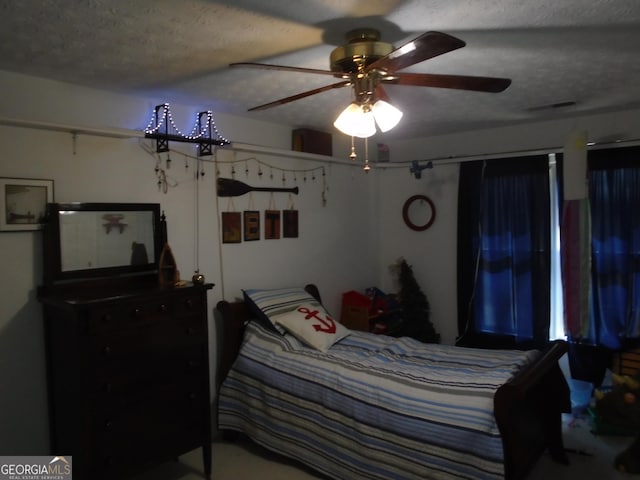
x=614 y=196
x=504 y=253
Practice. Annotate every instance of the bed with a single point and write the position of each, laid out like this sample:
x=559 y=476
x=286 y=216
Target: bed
x=378 y=407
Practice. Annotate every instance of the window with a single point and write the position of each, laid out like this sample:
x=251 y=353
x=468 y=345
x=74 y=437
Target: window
x=504 y=252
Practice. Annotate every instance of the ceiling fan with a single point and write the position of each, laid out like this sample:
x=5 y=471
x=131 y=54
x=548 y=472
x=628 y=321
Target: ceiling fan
x=366 y=63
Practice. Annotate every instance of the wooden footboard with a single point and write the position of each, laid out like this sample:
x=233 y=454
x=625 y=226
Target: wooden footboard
x=528 y=411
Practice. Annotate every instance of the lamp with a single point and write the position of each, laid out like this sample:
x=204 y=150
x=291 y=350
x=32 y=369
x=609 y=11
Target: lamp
x=359 y=120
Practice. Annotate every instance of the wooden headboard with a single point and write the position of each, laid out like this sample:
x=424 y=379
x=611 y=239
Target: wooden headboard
x=235 y=316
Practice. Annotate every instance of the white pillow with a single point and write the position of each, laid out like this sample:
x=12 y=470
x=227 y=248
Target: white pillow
x=312 y=325
x=267 y=304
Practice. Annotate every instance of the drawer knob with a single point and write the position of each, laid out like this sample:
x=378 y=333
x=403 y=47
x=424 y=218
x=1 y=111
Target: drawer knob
x=108 y=424
x=193 y=396
x=163 y=308
x=106 y=317
x=106 y=350
x=136 y=312
x=188 y=303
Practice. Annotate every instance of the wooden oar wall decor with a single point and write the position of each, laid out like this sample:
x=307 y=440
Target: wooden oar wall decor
x=228 y=187
x=231 y=225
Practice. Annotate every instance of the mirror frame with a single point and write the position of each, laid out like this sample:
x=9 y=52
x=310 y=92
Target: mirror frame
x=52 y=247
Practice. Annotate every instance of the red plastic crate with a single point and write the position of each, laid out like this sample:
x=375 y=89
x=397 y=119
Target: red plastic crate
x=355 y=311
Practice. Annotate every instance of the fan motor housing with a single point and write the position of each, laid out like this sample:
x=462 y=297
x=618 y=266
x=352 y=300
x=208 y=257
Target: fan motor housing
x=362 y=49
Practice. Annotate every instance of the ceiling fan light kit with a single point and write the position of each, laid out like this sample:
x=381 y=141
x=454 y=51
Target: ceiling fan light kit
x=360 y=120
x=356 y=122
x=387 y=116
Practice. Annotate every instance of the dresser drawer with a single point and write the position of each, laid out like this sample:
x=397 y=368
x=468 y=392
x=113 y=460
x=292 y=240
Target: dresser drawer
x=137 y=408
x=141 y=418
x=122 y=375
x=161 y=334
x=122 y=316
x=189 y=305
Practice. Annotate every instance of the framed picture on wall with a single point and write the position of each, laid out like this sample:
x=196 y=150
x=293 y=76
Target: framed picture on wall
x=231 y=227
x=23 y=203
x=290 y=223
x=251 y=225
x=271 y=224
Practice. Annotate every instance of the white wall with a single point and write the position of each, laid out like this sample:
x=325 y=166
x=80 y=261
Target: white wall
x=432 y=252
x=347 y=244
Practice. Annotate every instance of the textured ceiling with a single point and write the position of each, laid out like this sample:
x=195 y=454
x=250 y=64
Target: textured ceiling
x=555 y=51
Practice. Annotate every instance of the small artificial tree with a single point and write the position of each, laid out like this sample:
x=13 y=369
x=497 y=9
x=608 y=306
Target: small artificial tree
x=414 y=307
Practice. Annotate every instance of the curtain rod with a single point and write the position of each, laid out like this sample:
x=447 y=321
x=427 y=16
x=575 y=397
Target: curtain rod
x=541 y=151
x=57 y=127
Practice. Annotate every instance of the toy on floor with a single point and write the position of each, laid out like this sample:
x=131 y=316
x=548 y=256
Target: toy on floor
x=620 y=406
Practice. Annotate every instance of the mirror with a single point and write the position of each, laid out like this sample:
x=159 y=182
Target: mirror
x=419 y=212
x=102 y=239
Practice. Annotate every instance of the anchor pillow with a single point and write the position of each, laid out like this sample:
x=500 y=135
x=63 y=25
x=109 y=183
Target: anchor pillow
x=312 y=325
x=267 y=304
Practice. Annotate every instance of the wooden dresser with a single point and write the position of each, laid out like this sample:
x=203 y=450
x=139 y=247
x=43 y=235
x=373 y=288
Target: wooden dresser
x=128 y=377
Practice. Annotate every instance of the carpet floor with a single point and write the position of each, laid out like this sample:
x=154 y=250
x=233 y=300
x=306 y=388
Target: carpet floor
x=591 y=458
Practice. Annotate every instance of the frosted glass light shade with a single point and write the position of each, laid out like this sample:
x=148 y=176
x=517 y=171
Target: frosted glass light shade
x=355 y=122
x=387 y=116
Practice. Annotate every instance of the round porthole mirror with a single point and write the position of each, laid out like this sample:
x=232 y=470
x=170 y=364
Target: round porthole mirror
x=419 y=212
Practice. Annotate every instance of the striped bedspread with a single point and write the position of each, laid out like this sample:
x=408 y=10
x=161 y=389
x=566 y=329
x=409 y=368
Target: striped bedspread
x=371 y=407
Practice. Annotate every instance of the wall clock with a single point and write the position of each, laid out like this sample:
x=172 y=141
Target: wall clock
x=419 y=212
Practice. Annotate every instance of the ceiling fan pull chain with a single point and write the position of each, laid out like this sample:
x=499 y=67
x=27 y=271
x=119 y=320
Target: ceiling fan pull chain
x=366 y=156
x=353 y=155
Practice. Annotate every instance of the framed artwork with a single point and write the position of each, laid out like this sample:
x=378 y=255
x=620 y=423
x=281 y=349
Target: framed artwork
x=231 y=227
x=23 y=203
x=271 y=224
x=290 y=223
x=251 y=225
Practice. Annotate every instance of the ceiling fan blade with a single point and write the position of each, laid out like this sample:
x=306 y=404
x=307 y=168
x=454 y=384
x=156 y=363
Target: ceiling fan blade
x=427 y=45
x=381 y=93
x=283 y=67
x=458 y=82
x=298 y=96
